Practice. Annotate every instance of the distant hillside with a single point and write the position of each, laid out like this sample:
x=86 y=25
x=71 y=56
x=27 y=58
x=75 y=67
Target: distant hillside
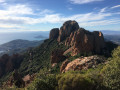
x=18 y=45
x=113 y=38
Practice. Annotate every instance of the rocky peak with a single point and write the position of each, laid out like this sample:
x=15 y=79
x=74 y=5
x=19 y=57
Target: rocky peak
x=81 y=40
x=54 y=33
x=67 y=28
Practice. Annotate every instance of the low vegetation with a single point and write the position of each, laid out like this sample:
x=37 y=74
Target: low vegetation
x=103 y=77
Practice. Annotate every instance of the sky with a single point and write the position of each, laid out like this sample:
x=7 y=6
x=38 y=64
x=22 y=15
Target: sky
x=43 y=15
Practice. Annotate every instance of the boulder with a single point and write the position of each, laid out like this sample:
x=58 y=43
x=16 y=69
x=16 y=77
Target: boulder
x=54 y=33
x=67 y=28
x=83 y=63
x=57 y=56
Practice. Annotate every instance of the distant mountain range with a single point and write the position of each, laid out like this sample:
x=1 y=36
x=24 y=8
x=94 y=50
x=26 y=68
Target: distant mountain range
x=18 y=45
x=113 y=36
x=110 y=32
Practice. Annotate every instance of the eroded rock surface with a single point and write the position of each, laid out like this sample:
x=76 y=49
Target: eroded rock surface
x=64 y=64
x=67 y=28
x=83 y=63
x=84 y=41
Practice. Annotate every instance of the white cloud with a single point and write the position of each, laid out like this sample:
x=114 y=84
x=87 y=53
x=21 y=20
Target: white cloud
x=55 y=18
x=103 y=10
x=101 y=22
x=16 y=10
x=20 y=15
x=45 y=11
x=2 y=1
x=20 y=9
x=9 y=26
x=115 y=6
x=83 y=1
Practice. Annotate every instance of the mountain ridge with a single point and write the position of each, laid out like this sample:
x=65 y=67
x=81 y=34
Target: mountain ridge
x=18 y=45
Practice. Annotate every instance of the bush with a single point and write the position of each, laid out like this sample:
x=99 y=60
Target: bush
x=70 y=81
x=38 y=85
x=46 y=82
x=111 y=72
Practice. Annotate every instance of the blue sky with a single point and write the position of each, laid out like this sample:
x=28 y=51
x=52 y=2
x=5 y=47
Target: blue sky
x=43 y=15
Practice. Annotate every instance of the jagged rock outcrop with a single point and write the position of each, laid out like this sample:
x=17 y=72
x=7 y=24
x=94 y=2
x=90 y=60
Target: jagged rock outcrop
x=64 y=64
x=83 y=63
x=54 y=33
x=67 y=28
x=84 y=41
x=81 y=40
x=57 y=56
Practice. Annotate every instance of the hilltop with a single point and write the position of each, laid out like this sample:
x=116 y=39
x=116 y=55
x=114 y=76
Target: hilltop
x=17 y=46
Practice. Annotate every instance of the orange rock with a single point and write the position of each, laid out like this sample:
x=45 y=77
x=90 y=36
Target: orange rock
x=64 y=64
x=67 y=28
x=81 y=63
x=84 y=41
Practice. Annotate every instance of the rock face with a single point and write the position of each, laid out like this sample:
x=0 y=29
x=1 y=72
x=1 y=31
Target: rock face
x=64 y=64
x=54 y=33
x=9 y=63
x=84 y=41
x=67 y=28
x=57 y=56
x=83 y=63
x=81 y=40
x=99 y=41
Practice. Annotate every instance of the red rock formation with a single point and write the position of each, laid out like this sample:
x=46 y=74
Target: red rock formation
x=67 y=28
x=83 y=63
x=84 y=41
x=9 y=63
x=54 y=33
x=80 y=39
x=57 y=56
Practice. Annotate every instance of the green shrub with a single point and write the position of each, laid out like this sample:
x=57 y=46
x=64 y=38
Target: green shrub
x=40 y=57
x=111 y=72
x=43 y=82
x=70 y=81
